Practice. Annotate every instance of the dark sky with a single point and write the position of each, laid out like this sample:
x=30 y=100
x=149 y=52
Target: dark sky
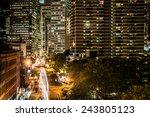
x=4 y=4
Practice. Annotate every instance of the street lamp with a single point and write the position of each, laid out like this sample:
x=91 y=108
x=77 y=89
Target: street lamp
x=28 y=62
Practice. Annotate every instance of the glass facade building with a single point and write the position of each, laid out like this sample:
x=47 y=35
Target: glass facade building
x=90 y=23
x=58 y=29
x=45 y=26
x=127 y=28
x=23 y=19
x=109 y=28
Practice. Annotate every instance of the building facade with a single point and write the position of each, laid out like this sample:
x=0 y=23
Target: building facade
x=67 y=39
x=90 y=24
x=146 y=61
x=4 y=13
x=107 y=28
x=23 y=19
x=45 y=26
x=58 y=29
x=127 y=38
x=9 y=73
x=47 y=1
x=147 y=22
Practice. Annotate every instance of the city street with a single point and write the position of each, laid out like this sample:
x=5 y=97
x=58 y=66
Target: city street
x=43 y=84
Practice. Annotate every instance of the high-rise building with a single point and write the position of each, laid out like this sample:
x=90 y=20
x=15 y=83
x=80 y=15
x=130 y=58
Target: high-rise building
x=127 y=38
x=146 y=60
x=42 y=1
x=67 y=40
x=90 y=24
x=58 y=29
x=147 y=22
x=9 y=72
x=52 y=26
x=3 y=23
x=107 y=28
x=23 y=19
x=45 y=26
x=4 y=13
x=67 y=8
x=21 y=47
x=47 y=1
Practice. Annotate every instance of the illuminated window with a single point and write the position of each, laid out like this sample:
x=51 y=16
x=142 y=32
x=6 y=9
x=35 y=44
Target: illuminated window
x=101 y=2
x=41 y=1
x=118 y=28
x=146 y=48
x=118 y=4
x=101 y=18
x=87 y=24
x=130 y=14
x=132 y=1
x=118 y=34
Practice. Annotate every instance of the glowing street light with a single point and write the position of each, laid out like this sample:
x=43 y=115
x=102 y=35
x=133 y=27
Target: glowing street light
x=28 y=62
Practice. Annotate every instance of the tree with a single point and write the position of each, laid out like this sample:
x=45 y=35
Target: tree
x=135 y=92
x=104 y=78
x=75 y=68
x=34 y=73
x=60 y=60
x=95 y=80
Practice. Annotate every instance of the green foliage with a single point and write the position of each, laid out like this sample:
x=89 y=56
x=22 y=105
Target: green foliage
x=76 y=67
x=97 y=79
x=135 y=92
x=34 y=73
x=60 y=60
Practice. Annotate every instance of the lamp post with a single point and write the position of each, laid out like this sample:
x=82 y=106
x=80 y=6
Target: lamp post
x=28 y=64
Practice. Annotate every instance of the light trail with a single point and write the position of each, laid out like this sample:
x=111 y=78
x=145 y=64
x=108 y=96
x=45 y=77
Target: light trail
x=44 y=84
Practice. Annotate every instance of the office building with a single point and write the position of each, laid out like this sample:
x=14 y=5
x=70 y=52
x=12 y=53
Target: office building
x=41 y=1
x=47 y=1
x=4 y=13
x=146 y=60
x=23 y=19
x=147 y=22
x=45 y=26
x=3 y=19
x=67 y=39
x=127 y=35
x=67 y=8
x=9 y=72
x=108 y=28
x=90 y=27
x=58 y=29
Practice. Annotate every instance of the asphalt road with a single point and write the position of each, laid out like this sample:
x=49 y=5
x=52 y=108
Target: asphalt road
x=43 y=84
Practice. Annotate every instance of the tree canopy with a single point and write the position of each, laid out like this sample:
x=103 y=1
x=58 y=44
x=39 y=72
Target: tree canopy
x=103 y=78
